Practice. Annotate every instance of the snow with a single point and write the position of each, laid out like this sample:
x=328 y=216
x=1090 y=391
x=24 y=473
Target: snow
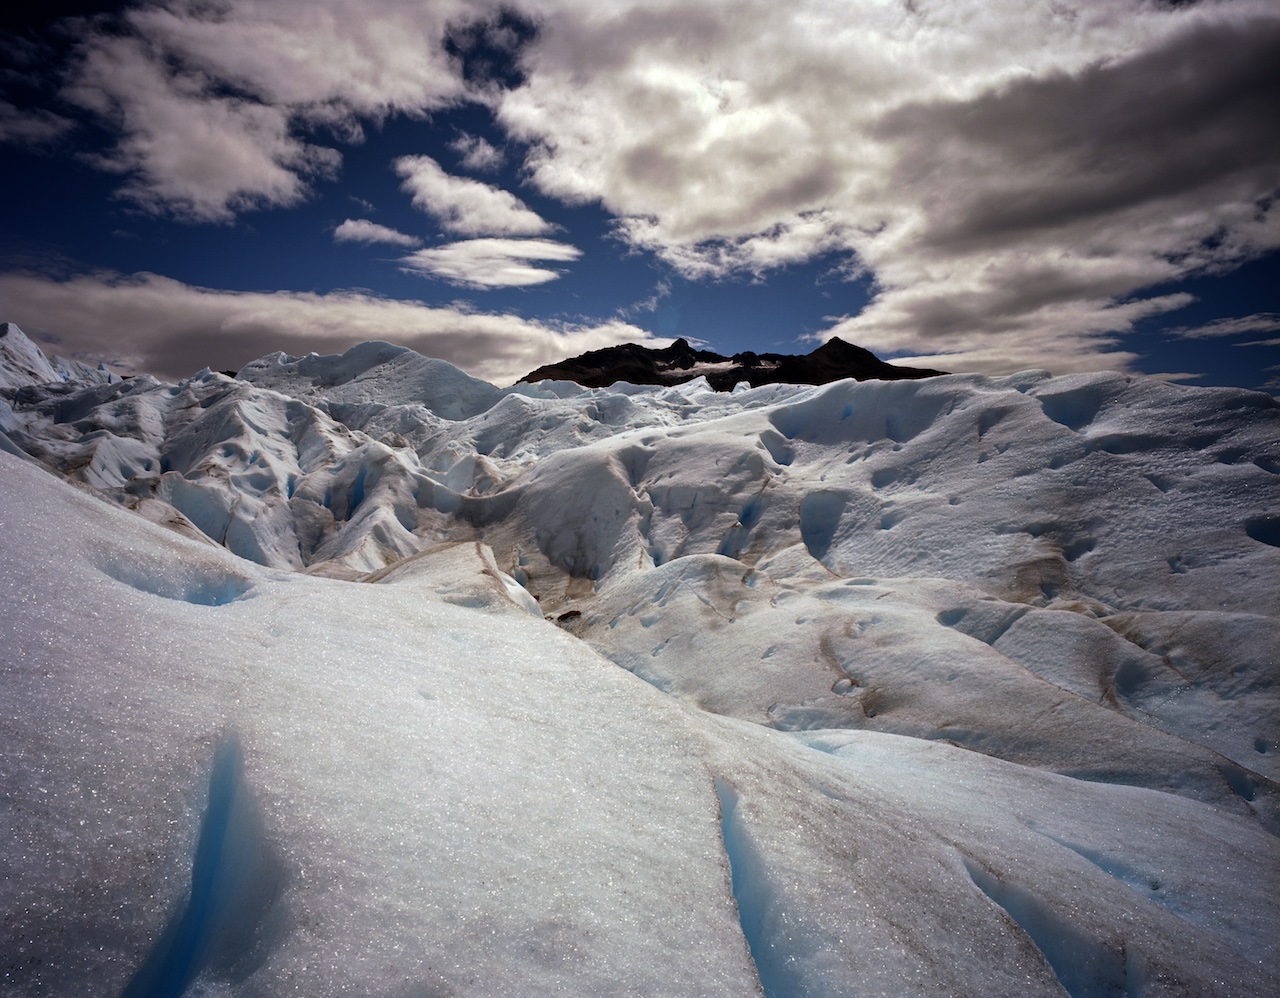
x=23 y=363
x=377 y=374
x=403 y=686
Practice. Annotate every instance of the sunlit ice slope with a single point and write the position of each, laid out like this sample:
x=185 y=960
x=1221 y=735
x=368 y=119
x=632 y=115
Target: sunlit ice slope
x=961 y=686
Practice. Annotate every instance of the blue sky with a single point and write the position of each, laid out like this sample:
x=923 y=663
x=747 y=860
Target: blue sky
x=972 y=186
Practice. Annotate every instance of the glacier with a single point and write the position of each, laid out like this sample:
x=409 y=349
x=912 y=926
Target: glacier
x=354 y=674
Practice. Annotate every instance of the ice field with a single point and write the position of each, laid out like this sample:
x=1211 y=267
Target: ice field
x=355 y=675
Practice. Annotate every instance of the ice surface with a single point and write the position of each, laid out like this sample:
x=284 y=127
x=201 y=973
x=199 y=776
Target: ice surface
x=380 y=374
x=961 y=686
x=21 y=361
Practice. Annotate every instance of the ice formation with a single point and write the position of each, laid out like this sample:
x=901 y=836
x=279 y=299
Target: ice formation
x=402 y=684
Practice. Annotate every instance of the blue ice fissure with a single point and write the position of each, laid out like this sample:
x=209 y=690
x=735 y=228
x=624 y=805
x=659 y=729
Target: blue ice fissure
x=357 y=492
x=753 y=897
x=1086 y=966
x=180 y=953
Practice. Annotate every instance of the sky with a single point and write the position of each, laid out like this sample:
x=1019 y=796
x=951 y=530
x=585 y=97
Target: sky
x=969 y=185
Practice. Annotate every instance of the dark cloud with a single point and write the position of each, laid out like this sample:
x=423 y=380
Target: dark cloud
x=1194 y=116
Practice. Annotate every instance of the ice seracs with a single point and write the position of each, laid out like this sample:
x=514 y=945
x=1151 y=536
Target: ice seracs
x=955 y=686
x=378 y=374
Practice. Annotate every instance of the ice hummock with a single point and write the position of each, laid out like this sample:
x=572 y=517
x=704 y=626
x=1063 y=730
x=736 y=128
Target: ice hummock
x=963 y=686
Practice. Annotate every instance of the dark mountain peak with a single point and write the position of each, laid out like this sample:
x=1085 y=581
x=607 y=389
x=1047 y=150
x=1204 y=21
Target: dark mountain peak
x=679 y=355
x=838 y=349
x=640 y=365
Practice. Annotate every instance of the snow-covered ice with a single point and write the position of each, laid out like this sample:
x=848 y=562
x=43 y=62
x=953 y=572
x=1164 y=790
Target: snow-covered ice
x=402 y=684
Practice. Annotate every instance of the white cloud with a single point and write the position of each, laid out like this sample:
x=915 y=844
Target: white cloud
x=661 y=291
x=198 y=156
x=360 y=230
x=325 y=59
x=491 y=263
x=465 y=206
x=1259 y=322
x=145 y=322
x=208 y=103
x=477 y=153
x=208 y=99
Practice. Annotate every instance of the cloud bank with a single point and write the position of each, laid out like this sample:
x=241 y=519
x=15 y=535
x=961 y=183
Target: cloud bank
x=145 y=322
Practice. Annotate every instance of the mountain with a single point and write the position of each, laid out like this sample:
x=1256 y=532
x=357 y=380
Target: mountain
x=354 y=675
x=630 y=362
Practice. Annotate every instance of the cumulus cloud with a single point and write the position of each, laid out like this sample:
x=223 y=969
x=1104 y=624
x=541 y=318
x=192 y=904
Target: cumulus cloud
x=360 y=230
x=208 y=100
x=327 y=60
x=186 y=151
x=1008 y=174
x=466 y=206
x=144 y=322
x=491 y=263
x=476 y=153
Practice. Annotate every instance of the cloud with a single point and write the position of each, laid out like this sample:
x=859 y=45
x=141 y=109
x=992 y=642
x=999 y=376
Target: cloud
x=146 y=322
x=465 y=206
x=1000 y=330
x=208 y=100
x=1007 y=174
x=31 y=128
x=185 y=151
x=208 y=103
x=794 y=242
x=476 y=153
x=490 y=263
x=1259 y=322
x=661 y=291
x=328 y=60
x=1043 y=205
x=360 y=230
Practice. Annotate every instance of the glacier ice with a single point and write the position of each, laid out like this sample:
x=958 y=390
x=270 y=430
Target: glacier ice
x=958 y=686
